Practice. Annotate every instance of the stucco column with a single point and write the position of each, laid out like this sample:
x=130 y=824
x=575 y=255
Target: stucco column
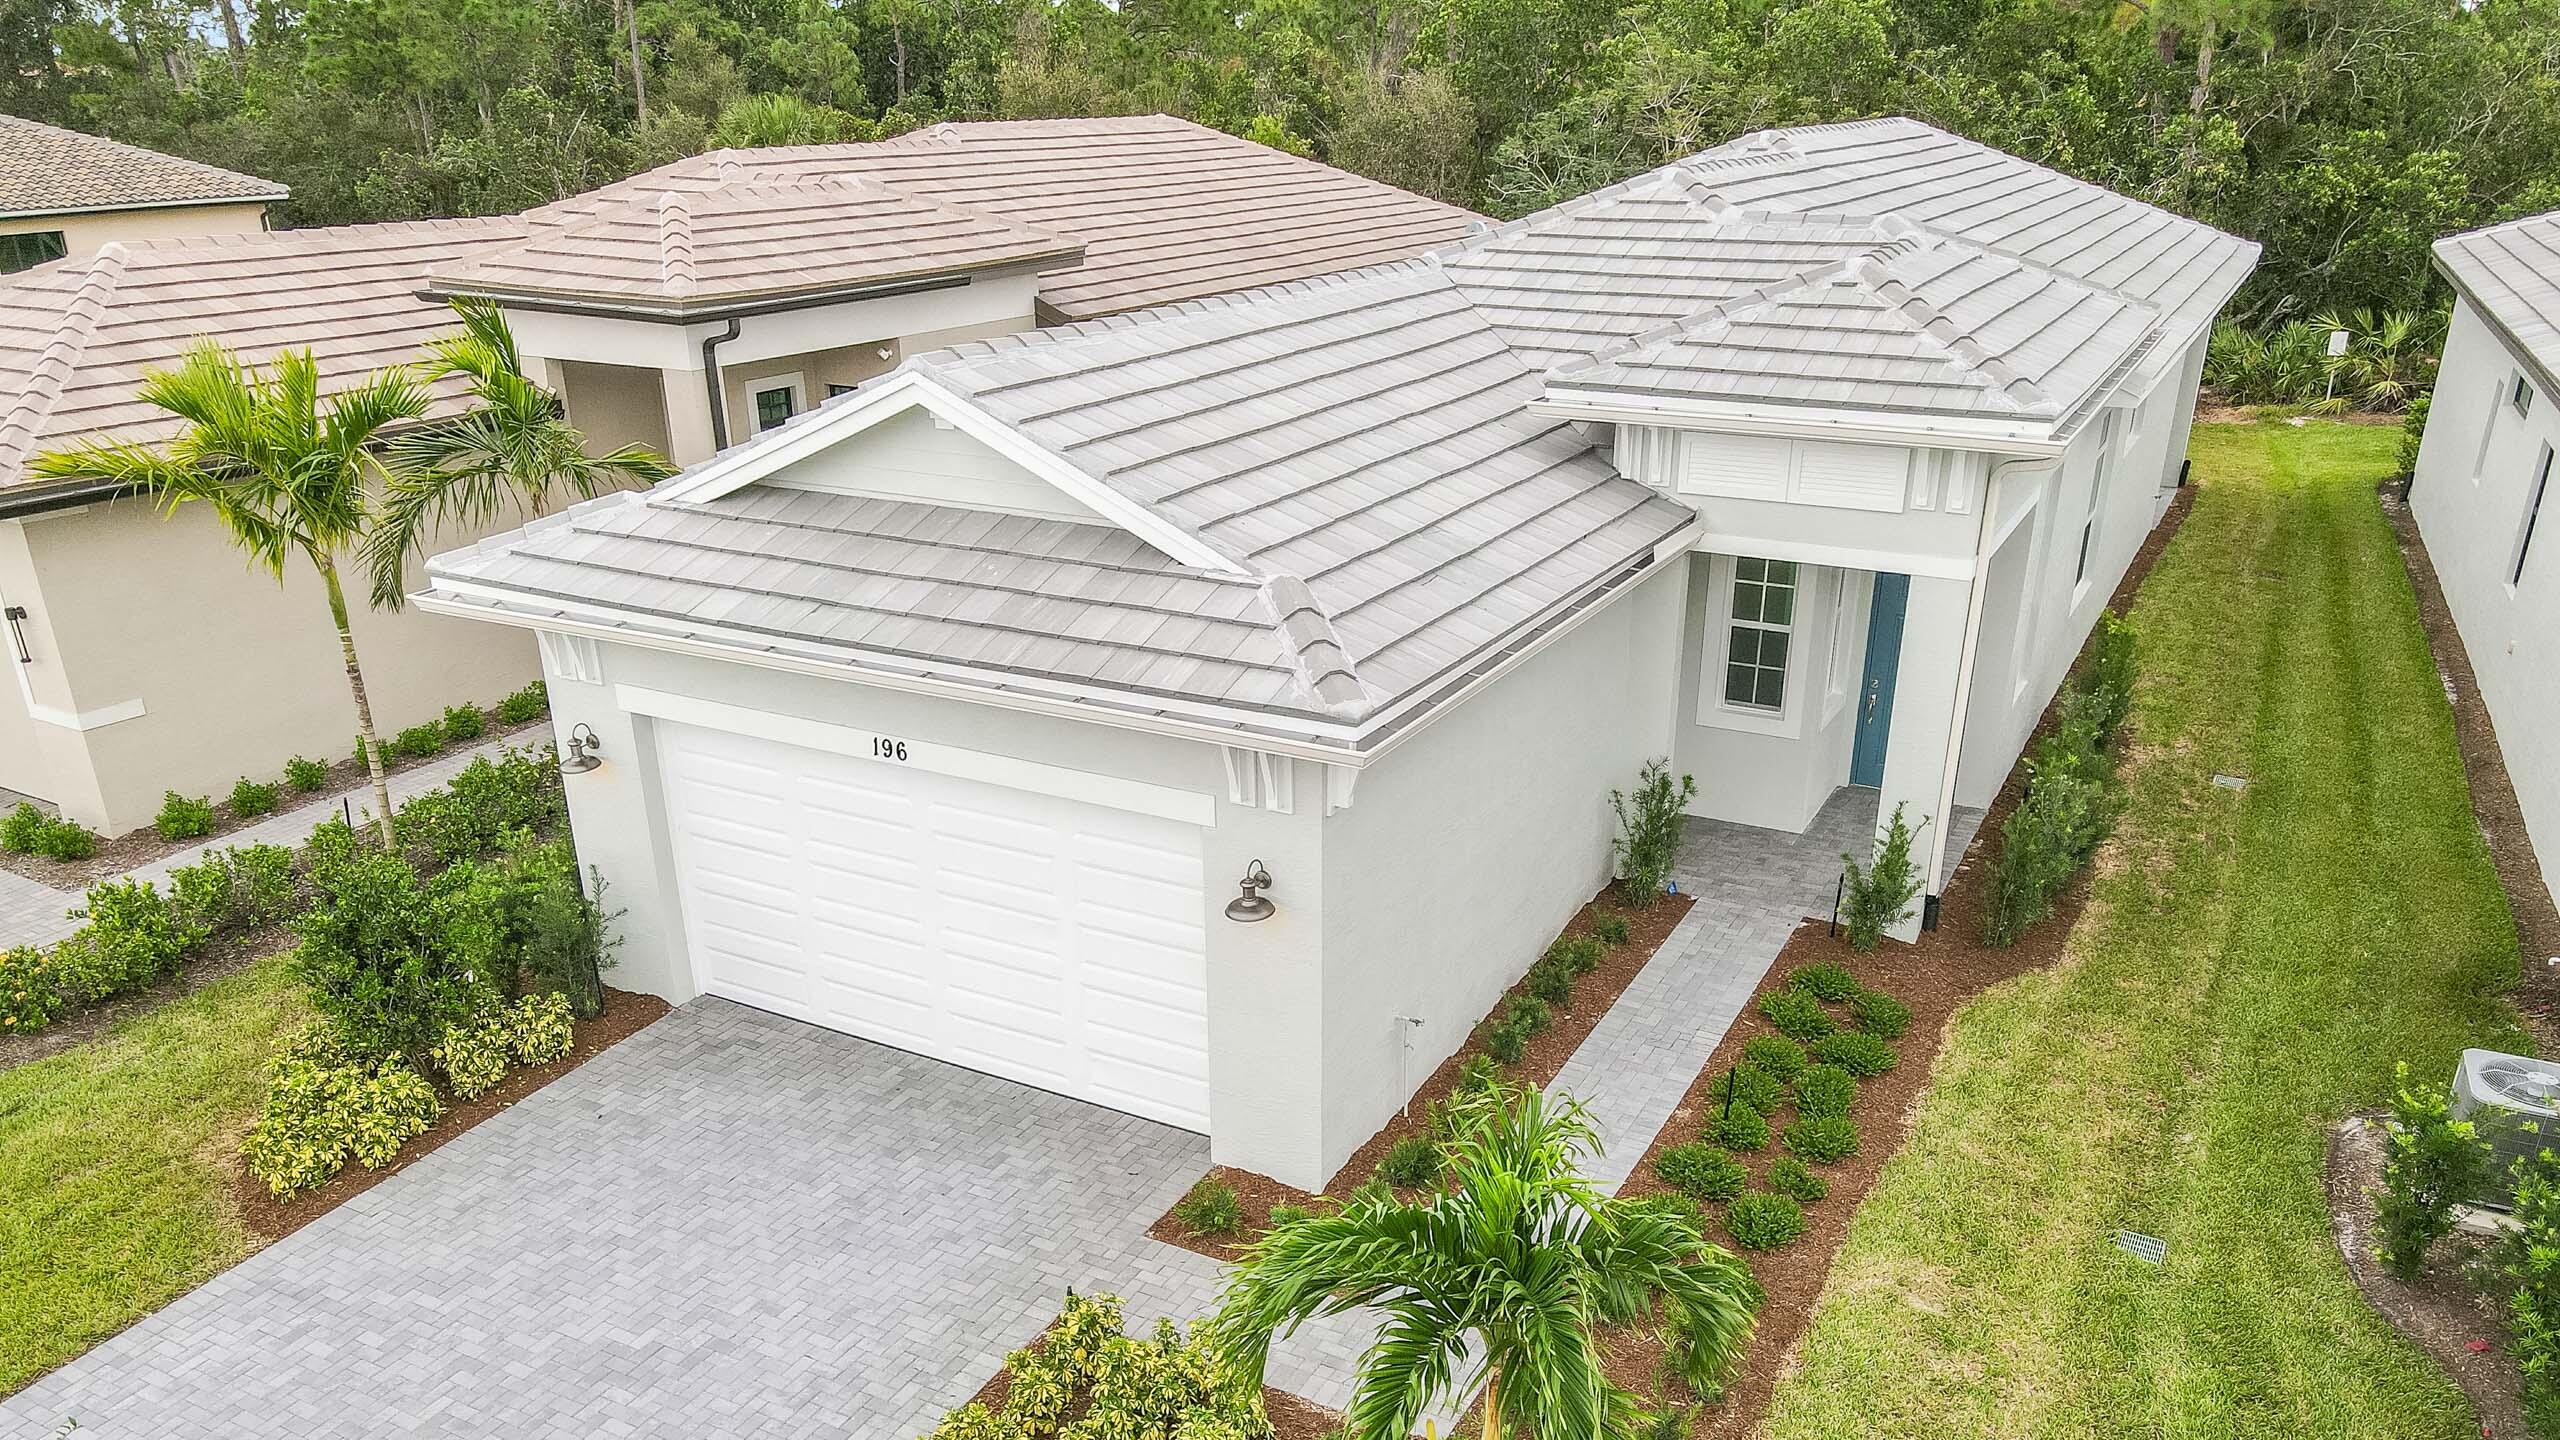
x=1924 y=719
x=1266 y=989
x=616 y=824
x=688 y=416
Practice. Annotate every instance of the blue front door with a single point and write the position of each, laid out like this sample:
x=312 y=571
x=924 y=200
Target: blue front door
x=1875 y=690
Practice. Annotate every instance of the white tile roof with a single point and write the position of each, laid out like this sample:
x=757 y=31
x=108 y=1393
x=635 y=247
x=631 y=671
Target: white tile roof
x=1361 y=448
x=2511 y=274
x=47 y=170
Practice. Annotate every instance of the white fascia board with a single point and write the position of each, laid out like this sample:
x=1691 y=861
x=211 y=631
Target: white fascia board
x=911 y=389
x=1328 y=745
x=1860 y=426
x=1841 y=557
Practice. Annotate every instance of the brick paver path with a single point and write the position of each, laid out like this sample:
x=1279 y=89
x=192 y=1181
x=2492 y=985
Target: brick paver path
x=34 y=913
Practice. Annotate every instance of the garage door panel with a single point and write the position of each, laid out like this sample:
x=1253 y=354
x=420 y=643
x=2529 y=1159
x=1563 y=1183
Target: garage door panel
x=1045 y=940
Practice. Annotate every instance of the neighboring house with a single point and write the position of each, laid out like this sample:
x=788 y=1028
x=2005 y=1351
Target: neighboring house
x=680 y=309
x=953 y=713
x=63 y=193
x=2483 y=495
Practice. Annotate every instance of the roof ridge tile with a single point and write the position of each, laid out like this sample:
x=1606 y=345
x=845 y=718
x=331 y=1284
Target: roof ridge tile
x=24 y=419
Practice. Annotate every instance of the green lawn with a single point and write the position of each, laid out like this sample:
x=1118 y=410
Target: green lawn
x=115 y=1163
x=2246 y=975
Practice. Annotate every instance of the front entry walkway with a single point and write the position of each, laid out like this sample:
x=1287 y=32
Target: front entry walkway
x=730 y=1224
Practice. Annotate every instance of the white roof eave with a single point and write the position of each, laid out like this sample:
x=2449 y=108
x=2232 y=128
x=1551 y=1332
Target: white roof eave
x=2032 y=439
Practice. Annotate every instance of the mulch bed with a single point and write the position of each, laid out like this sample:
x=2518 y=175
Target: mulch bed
x=1292 y=1417
x=271 y=1219
x=141 y=847
x=216 y=959
x=1546 y=1054
x=2441 y=1312
x=2493 y=794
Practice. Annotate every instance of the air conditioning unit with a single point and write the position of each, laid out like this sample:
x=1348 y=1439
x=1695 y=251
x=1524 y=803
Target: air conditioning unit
x=2514 y=1103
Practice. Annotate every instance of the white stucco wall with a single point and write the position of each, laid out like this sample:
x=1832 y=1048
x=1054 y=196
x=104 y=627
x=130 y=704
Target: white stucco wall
x=2476 y=467
x=1771 y=771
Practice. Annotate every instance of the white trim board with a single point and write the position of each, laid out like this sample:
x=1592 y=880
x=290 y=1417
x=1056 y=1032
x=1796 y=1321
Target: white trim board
x=1012 y=772
x=1838 y=557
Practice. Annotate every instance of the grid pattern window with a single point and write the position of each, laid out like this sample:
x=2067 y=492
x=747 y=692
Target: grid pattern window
x=773 y=407
x=2532 y=514
x=30 y=249
x=1762 y=630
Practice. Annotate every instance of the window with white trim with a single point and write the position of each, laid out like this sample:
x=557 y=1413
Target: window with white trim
x=2097 y=497
x=2532 y=514
x=1760 y=634
x=2520 y=394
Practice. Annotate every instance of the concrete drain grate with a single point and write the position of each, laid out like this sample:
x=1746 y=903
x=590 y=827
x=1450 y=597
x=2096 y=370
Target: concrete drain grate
x=2232 y=782
x=2142 y=1247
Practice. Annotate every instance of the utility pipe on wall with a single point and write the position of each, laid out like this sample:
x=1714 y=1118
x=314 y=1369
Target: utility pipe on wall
x=711 y=380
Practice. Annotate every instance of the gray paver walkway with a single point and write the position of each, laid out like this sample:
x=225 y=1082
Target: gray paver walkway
x=730 y=1224
x=34 y=913
x=1753 y=887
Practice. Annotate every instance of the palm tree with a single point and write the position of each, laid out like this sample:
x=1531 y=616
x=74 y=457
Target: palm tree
x=513 y=445
x=1499 y=1281
x=283 y=469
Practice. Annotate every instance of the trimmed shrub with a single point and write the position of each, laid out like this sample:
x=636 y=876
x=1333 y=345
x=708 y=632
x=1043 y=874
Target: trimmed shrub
x=1285 y=1214
x=540 y=1029
x=1740 y=1128
x=20 y=827
x=2413 y=425
x=1527 y=1014
x=392 y=963
x=1610 y=930
x=485 y=803
x=1790 y=1177
x=1797 y=1016
x=2114 y=661
x=1650 y=824
x=464 y=722
x=1880 y=1014
x=358 y=753
x=133 y=937
x=234 y=888
x=418 y=741
x=1824 y=981
x=251 y=799
x=530 y=703
x=1776 y=1054
x=390 y=1105
x=2530 y=1263
x=473 y=1056
x=1579 y=955
x=2433 y=1162
x=1700 y=1171
x=1823 y=1139
x=1411 y=1161
x=1505 y=1044
x=1857 y=1052
x=31 y=995
x=318 y=1113
x=2070 y=805
x=66 y=840
x=1477 y=1075
x=1210 y=1209
x=305 y=775
x=1764 y=1220
x=1879 y=895
x=1825 y=1090
x=1748 y=1084
x=183 y=819
x=1551 y=982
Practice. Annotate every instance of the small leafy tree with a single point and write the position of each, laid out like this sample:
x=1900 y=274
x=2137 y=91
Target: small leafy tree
x=1507 y=1273
x=2532 y=1267
x=2435 y=1162
x=1649 y=825
x=1880 y=895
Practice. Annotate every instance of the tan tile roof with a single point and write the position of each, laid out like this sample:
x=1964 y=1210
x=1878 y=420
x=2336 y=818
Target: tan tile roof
x=1165 y=210
x=45 y=170
x=682 y=250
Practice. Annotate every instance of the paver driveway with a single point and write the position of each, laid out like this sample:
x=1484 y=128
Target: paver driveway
x=728 y=1225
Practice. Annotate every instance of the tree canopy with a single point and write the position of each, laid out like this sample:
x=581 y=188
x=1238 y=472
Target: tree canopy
x=2344 y=134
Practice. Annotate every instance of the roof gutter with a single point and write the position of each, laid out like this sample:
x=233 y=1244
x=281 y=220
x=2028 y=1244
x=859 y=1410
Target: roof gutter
x=21 y=502
x=277 y=198
x=553 y=304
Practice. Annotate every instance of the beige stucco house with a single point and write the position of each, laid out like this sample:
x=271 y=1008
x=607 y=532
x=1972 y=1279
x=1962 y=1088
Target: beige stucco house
x=685 y=309
x=65 y=194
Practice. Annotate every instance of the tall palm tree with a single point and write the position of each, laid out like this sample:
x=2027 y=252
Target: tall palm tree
x=1499 y=1281
x=513 y=445
x=285 y=471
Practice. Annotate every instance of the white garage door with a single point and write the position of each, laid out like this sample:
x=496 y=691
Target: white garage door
x=1045 y=940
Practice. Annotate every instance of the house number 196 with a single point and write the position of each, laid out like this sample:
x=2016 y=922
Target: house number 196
x=884 y=748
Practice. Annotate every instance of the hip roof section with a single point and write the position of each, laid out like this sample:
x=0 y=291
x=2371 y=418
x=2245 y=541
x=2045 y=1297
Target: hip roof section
x=47 y=170
x=2511 y=274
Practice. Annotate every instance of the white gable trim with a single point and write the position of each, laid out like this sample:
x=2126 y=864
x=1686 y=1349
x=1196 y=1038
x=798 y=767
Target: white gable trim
x=842 y=419
x=1808 y=423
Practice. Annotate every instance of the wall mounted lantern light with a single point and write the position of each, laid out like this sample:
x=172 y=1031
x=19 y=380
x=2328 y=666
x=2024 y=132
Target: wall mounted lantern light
x=581 y=758
x=1250 y=904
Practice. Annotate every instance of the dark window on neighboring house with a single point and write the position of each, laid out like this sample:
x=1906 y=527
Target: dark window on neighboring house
x=773 y=407
x=834 y=390
x=19 y=252
x=2532 y=514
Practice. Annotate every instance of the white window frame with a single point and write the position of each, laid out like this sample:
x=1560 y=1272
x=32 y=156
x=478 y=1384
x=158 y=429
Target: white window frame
x=791 y=380
x=2537 y=484
x=1713 y=709
x=2090 y=529
x=1835 y=693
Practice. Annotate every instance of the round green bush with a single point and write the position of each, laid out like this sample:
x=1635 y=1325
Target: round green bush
x=1880 y=1014
x=1750 y=1085
x=1551 y=981
x=1700 y=1171
x=1790 y=1177
x=1776 y=1054
x=1610 y=930
x=1825 y=1090
x=1763 y=1220
x=305 y=774
x=1411 y=1161
x=1210 y=1209
x=1823 y=1139
x=1797 y=1015
x=1860 y=1054
x=1824 y=981
x=1740 y=1128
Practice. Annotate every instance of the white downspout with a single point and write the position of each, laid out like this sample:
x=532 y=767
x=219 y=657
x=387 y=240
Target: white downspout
x=1991 y=486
